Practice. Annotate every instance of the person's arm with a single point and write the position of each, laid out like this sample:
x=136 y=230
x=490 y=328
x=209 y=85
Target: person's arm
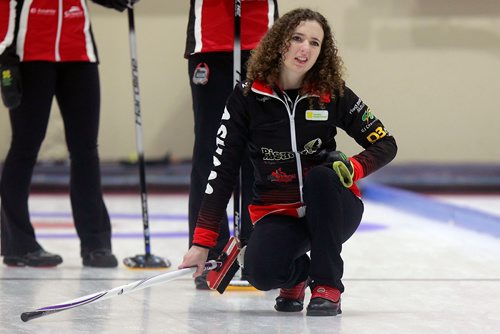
x=10 y=78
x=8 y=17
x=360 y=123
x=231 y=141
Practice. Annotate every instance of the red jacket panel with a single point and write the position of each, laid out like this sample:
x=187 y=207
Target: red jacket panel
x=211 y=24
x=49 y=30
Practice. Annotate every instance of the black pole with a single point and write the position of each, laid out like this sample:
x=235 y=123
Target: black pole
x=148 y=260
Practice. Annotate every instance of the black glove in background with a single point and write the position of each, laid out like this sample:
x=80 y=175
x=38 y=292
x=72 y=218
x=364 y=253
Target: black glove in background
x=10 y=84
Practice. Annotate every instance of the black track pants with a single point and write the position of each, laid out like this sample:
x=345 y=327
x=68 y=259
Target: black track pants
x=76 y=88
x=276 y=252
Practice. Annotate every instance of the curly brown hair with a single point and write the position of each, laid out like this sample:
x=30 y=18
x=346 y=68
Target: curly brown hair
x=325 y=77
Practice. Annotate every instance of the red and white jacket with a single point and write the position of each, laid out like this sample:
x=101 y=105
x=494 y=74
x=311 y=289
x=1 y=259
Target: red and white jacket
x=47 y=30
x=211 y=24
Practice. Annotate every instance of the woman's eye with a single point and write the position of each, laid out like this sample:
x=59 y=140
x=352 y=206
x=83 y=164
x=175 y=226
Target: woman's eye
x=315 y=43
x=296 y=38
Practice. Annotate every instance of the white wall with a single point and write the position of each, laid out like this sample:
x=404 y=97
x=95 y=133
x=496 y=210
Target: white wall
x=430 y=69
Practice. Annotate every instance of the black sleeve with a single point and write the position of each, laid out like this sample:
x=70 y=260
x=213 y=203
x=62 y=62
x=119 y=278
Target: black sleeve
x=231 y=141
x=356 y=118
x=9 y=56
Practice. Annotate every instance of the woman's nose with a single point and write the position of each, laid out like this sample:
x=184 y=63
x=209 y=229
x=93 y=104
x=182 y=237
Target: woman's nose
x=305 y=46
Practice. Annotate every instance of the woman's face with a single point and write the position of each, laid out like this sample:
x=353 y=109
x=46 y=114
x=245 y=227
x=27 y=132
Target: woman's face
x=305 y=46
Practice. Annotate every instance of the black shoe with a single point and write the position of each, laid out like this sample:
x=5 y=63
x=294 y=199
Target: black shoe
x=39 y=258
x=325 y=301
x=100 y=258
x=291 y=300
x=201 y=281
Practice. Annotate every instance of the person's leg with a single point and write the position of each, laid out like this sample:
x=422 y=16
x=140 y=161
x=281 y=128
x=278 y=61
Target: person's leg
x=28 y=124
x=276 y=258
x=78 y=96
x=333 y=214
x=276 y=253
x=209 y=100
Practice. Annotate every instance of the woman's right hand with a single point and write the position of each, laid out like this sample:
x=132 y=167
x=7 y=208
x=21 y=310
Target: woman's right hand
x=195 y=257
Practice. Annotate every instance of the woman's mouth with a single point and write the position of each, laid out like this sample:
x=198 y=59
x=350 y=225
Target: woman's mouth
x=301 y=60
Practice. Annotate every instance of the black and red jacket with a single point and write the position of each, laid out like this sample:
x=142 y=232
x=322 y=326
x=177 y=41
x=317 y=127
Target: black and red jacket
x=284 y=138
x=211 y=24
x=47 y=30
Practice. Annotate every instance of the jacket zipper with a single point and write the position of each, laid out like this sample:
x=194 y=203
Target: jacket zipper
x=293 y=135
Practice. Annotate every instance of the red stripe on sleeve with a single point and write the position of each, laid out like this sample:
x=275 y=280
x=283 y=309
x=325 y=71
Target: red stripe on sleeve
x=358 y=169
x=205 y=237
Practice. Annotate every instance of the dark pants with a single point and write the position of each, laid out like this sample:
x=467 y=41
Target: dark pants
x=276 y=252
x=76 y=88
x=209 y=101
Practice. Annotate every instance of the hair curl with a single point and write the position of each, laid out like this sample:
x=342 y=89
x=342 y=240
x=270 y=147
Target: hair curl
x=325 y=77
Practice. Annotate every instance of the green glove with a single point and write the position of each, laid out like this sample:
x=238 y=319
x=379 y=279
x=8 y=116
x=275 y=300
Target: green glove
x=341 y=164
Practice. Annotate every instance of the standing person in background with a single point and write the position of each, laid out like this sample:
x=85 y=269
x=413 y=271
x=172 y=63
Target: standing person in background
x=209 y=50
x=48 y=50
x=306 y=200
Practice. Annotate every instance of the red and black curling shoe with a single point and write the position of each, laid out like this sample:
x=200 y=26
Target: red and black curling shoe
x=291 y=300
x=325 y=301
